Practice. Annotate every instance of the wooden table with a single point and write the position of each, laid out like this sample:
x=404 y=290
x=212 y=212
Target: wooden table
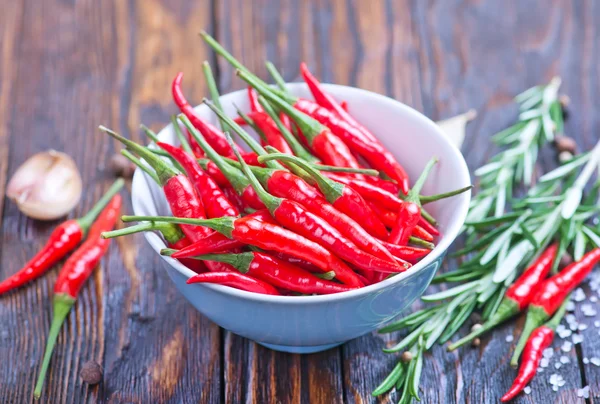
x=68 y=66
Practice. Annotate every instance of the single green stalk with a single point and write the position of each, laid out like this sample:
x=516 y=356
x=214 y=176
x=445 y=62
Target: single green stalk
x=150 y=133
x=240 y=261
x=251 y=123
x=235 y=177
x=214 y=92
x=185 y=145
x=171 y=232
x=413 y=194
x=129 y=156
x=86 y=221
x=270 y=201
x=536 y=316
x=328 y=276
x=425 y=199
x=229 y=57
x=223 y=225
x=291 y=140
x=279 y=80
x=61 y=305
x=421 y=243
x=163 y=171
x=160 y=152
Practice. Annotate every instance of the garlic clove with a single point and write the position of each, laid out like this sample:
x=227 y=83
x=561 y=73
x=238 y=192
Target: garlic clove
x=454 y=127
x=46 y=186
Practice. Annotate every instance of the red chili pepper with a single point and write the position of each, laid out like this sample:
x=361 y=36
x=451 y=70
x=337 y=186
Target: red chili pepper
x=370 y=192
x=287 y=185
x=179 y=192
x=551 y=295
x=276 y=272
x=327 y=101
x=235 y=280
x=253 y=100
x=295 y=217
x=294 y=188
x=410 y=211
x=518 y=295
x=271 y=132
x=421 y=233
x=174 y=238
x=407 y=253
x=62 y=241
x=307 y=266
x=342 y=197
x=211 y=169
x=214 y=136
x=428 y=227
x=327 y=146
x=74 y=273
x=215 y=202
x=358 y=139
x=264 y=235
x=540 y=339
x=237 y=180
x=234 y=198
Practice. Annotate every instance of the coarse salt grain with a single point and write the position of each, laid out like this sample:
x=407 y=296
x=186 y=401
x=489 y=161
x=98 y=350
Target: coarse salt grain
x=557 y=365
x=579 y=295
x=586 y=361
x=564 y=359
x=566 y=346
x=544 y=362
x=570 y=306
x=596 y=323
x=573 y=326
x=570 y=318
x=593 y=299
x=582 y=327
x=548 y=353
x=595 y=361
x=527 y=390
x=577 y=339
x=510 y=338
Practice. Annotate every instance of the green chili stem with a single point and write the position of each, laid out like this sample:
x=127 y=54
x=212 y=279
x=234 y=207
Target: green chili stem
x=185 y=145
x=140 y=164
x=214 y=92
x=291 y=140
x=279 y=80
x=86 y=221
x=425 y=199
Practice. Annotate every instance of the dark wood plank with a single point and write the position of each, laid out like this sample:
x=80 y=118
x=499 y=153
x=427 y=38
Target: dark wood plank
x=75 y=65
x=255 y=33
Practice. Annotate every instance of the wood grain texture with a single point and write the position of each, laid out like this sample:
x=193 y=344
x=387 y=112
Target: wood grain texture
x=67 y=66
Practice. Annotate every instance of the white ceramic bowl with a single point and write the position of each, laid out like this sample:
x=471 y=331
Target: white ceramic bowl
x=306 y=324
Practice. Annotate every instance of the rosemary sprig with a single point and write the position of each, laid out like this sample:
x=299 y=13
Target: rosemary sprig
x=536 y=126
x=500 y=244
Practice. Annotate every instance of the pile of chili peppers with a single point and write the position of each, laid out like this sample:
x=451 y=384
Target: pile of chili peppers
x=76 y=269
x=317 y=206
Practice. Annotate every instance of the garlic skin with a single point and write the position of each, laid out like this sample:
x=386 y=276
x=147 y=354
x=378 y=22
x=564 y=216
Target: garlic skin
x=47 y=186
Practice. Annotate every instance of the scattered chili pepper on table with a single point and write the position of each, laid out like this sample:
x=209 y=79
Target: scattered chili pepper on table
x=518 y=295
x=540 y=339
x=74 y=273
x=62 y=241
x=552 y=294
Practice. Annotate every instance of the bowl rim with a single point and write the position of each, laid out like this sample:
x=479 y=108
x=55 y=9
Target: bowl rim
x=437 y=253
